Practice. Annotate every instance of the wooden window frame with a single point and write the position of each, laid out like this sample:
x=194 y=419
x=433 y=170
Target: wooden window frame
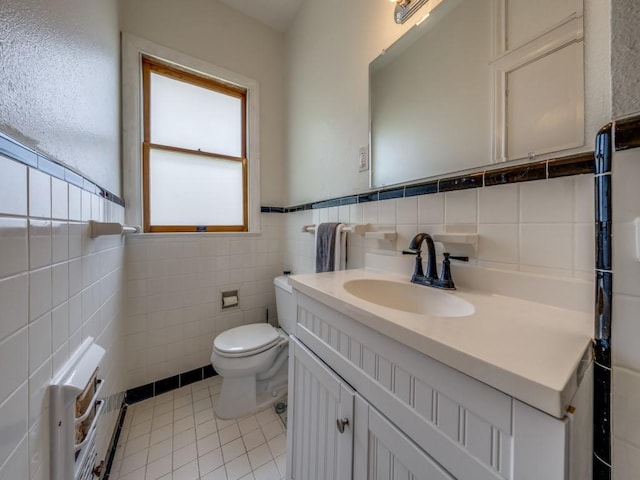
x=150 y=65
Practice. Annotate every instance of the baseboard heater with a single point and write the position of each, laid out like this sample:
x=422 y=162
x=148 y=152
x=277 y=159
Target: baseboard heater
x=75 y=407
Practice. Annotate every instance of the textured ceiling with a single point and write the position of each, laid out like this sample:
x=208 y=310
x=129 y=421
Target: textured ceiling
x=277 y=14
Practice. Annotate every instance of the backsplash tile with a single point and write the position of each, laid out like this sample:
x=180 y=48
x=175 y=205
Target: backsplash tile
x=549 y=201
x=500 y=204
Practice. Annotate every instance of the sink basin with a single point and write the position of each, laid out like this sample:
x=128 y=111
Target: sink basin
x=410 y=297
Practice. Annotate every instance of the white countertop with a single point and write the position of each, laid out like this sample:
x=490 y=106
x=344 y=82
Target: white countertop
x=528 y=350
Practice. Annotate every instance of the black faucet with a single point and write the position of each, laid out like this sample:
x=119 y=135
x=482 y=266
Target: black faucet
x=444 y=281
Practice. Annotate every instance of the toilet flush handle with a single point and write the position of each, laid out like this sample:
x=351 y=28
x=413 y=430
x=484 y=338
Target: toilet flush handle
x=341 y=423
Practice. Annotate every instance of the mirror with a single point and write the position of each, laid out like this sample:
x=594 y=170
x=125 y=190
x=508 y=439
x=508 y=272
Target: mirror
x=438 y=100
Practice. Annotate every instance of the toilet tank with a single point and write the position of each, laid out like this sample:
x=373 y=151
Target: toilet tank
x=285 y=304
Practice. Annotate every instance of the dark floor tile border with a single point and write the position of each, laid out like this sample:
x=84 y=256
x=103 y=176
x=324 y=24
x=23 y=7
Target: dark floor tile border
x=18 y=152
x=143 y=392
x=579 y=164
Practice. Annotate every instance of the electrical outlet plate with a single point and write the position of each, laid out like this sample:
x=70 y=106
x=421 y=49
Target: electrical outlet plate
x=363 y=159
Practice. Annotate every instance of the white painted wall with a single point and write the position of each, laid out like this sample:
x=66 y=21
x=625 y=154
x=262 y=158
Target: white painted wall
x=625 y=57
x=215 y=33
x=60 y=83
x=329 y=48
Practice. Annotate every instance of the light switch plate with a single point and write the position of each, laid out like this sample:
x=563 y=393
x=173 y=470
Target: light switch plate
x=363 y=159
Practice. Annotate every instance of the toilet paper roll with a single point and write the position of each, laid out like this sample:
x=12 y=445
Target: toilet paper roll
x=229 y=301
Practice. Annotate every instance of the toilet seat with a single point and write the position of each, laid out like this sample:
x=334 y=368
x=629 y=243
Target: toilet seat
x=246 y=340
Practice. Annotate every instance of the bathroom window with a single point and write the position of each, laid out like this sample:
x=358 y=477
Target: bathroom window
x=194 y=155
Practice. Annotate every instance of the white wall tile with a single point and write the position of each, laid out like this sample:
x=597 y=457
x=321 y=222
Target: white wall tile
x=498 y=204
x=584 y=198
x=59 y=241
x=76 y=231
x=14 y=304
x=584 y=248
x=461 y=206
x=356 y=213
x=549 y=246
x=407 y=211
x=59 y=199
x=625 y=405
x=627 y=332
x=626 y=194
x=39 y=342
x=625 y=264
x=75 y=314
x=75 y=203
x=39 y=292
x=59 y=326
x=13 y=187
x=39 y=243
x=547 y=201
x=498 y=243
x=14 y=352
x=626 y=460
x=13 y=423
x=370 y=212
x=59 y=283
x=39 y=194
x=431 y=209
x=14 y=246
x=38 y=398
x=85 y=215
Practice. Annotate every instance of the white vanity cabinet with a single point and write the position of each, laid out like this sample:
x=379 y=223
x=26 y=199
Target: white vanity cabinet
x=408 y=416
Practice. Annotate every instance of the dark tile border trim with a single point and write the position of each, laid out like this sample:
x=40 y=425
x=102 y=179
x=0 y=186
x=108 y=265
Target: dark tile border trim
x=143 y=392
x=579 y=164
x=628 y=133
x=18 y=152
x=603 y=304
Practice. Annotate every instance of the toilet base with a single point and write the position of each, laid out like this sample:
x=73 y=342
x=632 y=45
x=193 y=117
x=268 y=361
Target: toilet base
x=242 y=396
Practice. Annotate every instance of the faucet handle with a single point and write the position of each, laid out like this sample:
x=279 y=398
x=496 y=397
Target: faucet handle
x=452 y=257
x=412 y=252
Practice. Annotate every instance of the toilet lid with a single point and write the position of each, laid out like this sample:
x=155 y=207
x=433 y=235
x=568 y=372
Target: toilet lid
x=248 y=339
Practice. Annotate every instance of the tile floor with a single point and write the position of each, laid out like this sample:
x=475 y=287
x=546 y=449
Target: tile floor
x=175 y=436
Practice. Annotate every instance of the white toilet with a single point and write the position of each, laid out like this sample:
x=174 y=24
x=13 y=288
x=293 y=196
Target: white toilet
x=252 y=360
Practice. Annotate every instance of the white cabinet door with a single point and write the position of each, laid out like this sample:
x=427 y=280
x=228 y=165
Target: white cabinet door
x=382 y=452
x=318 y=399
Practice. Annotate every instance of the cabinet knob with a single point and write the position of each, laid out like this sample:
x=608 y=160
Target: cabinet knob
x=341 y=423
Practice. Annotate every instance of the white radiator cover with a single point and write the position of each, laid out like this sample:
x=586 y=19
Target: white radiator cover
x=71 y=459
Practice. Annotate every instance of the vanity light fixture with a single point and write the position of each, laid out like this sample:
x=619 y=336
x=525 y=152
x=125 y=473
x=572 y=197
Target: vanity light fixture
x=405 y=8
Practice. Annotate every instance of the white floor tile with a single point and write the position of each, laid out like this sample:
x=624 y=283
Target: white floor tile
x=254 y=439
x=184 y=438
x=210 y=461
x=218 y=474
x=207 y=444
x=187 y=472
x=229 y=433
x=238 y=468
x=268 y=471
x=206 y=428
x=233 y=450
x=176 y=436
x=160 y=449
x=184 y=455
x=158 y=468
x=259 y=456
